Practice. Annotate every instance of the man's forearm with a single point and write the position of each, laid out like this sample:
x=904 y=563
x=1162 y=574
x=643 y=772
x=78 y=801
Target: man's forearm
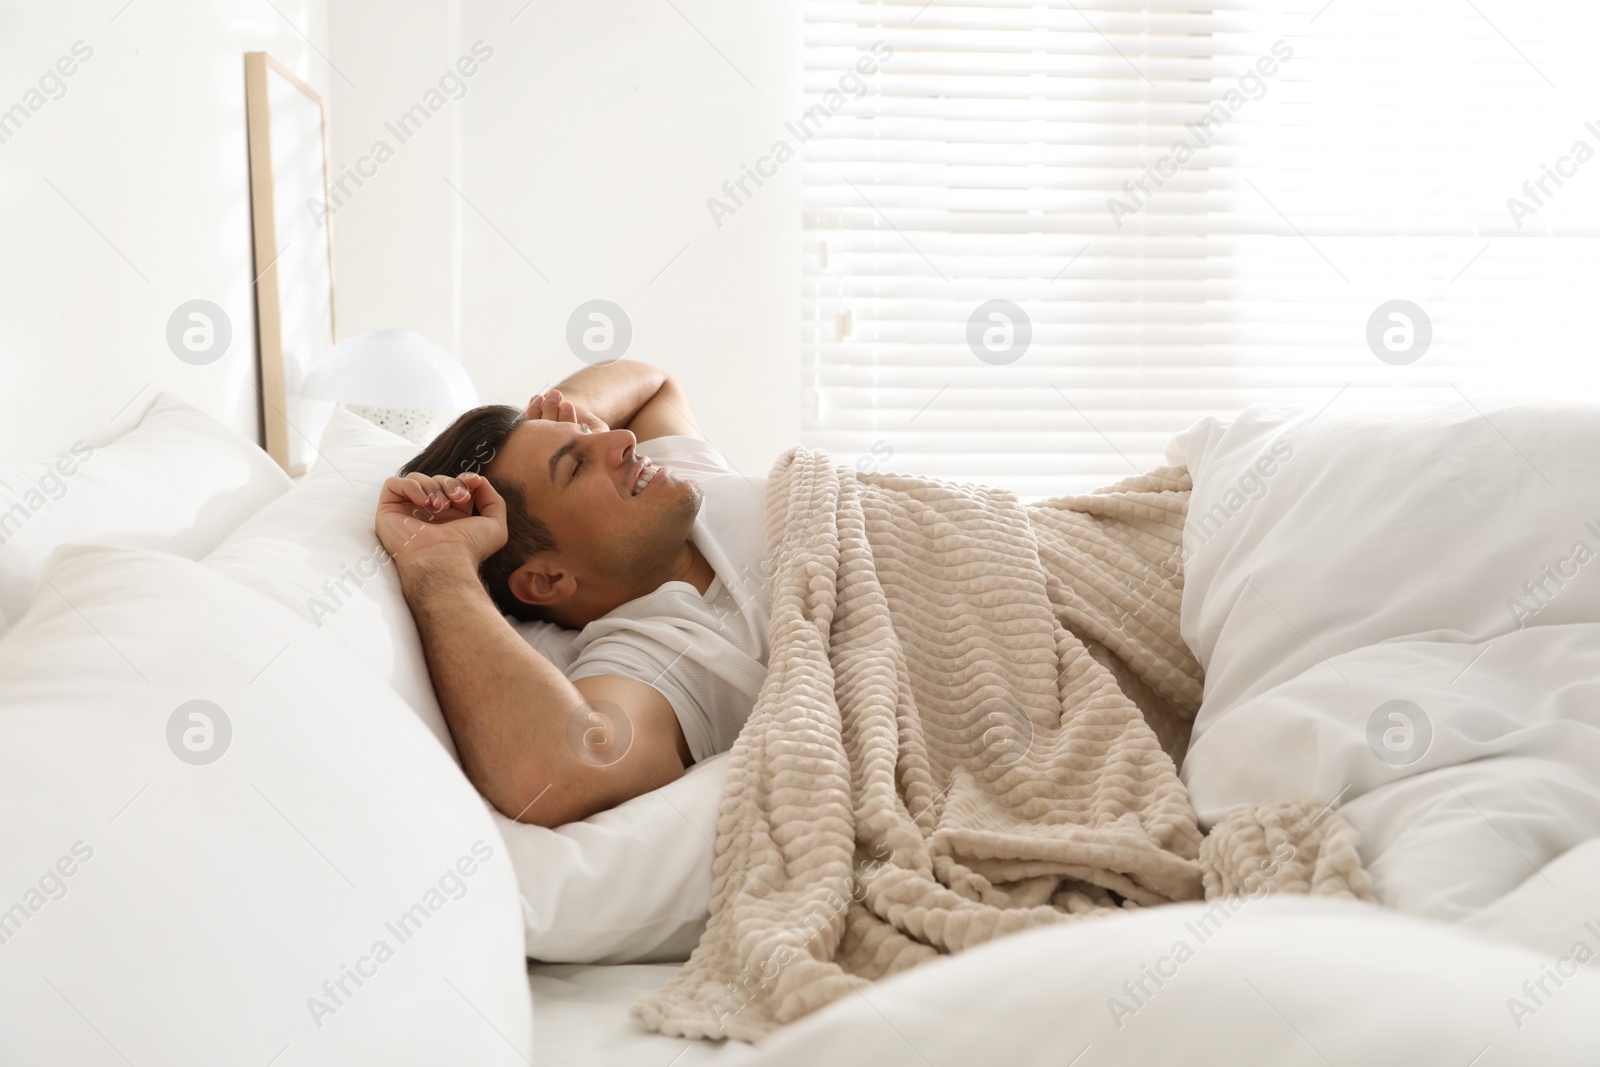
x=506 y=705
x=616 y=391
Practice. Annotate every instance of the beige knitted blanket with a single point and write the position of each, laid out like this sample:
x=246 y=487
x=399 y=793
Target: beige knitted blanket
x=943 y=753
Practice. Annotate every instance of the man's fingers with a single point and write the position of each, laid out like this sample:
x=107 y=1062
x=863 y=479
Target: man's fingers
x=454 y=489
x=406 y=489
x=555 y=406
x=488 y=500
x=435 y=494
x=543 y=405
x=437 y=489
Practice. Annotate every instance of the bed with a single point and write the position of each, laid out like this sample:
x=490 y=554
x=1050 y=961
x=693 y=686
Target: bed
x=247 y=838
x=580 y=1016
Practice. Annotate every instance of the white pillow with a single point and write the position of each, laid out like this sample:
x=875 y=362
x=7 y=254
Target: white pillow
x=1282 y=981
x=552 y=642
x=627 y=885
x=189 y=912
x=1375 y=523
x=314 y=550
x=179 y=481
x=633 y=883
x=1350 y=589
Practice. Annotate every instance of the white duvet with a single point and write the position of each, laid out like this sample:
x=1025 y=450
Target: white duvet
x=1400 y=614
x=1356 y=592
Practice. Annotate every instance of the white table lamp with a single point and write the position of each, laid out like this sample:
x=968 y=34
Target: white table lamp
x=397 y=379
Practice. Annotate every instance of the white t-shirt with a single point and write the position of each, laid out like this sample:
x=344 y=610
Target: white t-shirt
x=707 y=654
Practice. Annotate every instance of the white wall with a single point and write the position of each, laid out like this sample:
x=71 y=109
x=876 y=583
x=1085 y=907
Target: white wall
x=591 y=142
x=397 y=235
x=584 y=149
x=125 y=197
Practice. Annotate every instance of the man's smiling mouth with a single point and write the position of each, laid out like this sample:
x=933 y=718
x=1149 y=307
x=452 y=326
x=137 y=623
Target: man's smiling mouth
x=647 y=474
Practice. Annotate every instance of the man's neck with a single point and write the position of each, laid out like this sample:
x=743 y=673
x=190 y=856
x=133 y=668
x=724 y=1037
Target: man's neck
x=694 y=568
x=691 y=566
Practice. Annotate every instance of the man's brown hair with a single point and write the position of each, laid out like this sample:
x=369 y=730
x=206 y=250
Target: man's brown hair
x=471 y=444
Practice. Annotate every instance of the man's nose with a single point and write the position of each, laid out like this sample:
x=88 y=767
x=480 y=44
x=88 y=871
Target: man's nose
x=621 y=441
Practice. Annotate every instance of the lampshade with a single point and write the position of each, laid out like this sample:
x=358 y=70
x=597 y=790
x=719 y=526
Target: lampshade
x=397 y=379
x=391 y=369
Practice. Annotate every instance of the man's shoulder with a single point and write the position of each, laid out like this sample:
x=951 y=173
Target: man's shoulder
x=691 y=454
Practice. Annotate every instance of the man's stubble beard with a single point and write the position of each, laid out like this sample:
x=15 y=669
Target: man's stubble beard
x=659 y=550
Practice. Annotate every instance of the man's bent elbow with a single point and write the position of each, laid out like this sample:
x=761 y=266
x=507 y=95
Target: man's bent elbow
x=542 y=799
x=533 y=798
x=549 y=795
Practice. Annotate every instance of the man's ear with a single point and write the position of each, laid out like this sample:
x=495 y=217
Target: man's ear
x=542 y=582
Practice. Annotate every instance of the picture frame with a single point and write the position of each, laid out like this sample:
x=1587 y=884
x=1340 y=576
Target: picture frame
x=292 y=236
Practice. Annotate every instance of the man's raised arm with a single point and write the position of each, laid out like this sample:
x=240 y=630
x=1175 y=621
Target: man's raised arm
x=622 y=395
x=541 y=749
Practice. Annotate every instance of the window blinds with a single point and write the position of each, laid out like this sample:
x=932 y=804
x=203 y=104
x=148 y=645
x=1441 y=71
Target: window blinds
x=1181 y=209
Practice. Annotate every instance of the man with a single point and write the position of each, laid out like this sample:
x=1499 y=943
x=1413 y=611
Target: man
x=557 y=513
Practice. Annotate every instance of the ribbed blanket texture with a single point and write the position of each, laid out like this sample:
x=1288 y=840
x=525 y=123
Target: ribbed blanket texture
x=941 y=754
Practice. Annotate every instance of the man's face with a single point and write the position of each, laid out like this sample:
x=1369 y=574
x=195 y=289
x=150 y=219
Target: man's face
x=614 y=541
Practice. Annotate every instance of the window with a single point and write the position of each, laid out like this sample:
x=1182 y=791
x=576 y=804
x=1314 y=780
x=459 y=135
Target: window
x=1186 y=210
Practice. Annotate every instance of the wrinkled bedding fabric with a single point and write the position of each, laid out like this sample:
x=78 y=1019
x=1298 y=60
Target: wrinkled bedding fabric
x=942 y=752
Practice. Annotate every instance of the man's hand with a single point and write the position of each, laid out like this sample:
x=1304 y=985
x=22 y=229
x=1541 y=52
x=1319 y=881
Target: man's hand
x=554 y=407
x=420 y=515
x=620 y=395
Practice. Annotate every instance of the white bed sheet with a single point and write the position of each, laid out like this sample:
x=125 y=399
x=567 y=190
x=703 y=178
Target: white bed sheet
x=1286 y=981
x=580 y=1018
